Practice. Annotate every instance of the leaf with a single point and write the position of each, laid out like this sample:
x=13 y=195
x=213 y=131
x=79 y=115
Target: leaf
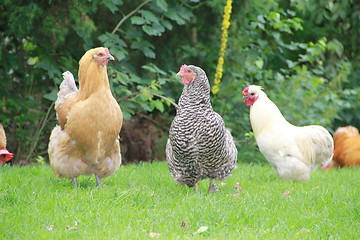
x=259 y=63
x=153 y=68
x=137 y=20
x=118 y=54
x=335 y=46
x=32 y=60
x=157 y=104
x=141 y=44
x=149 y=16
x=149 y=30
x=112 y=38
x=238 y=186
x=184 y=225
x=51 y=69
x=291 y=64
x=115 y=44
x=179 y=15
x=113 y=8
x=145 y=46
x=201 y=229
x=112 y=5
x=152 y=105
x=287 y=192
x=154 y=235
x=160 y=106
x=126 y=115
x=29 y=46
x=167 y=24
x=261 y=19
x=159 y=28
x=145 y=95
x=154 y=30
x=135 y=79
x=162 y=5
x=149 y=53
x=52 y=96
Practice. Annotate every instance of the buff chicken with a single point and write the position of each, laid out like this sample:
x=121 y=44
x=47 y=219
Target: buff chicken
x=347 y=147
x=86 y=141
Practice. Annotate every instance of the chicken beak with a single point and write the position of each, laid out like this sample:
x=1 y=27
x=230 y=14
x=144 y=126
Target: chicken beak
x=110 y=57
x=245 y=97
x=179 y=74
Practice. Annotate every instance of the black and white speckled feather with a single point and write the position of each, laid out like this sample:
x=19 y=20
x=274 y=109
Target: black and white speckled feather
x=199 y=145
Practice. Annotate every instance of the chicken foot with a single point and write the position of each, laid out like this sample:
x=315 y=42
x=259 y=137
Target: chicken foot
x=213 y=187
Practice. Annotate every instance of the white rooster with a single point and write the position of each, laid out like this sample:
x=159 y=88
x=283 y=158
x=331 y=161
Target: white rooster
x=293 y=151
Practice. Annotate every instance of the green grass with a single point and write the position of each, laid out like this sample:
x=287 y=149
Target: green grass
x=143 y=199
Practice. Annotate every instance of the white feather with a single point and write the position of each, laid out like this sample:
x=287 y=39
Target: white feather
x=293 y=151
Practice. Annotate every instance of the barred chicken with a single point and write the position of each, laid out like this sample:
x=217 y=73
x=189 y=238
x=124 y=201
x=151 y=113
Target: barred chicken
x=199 y=145
x=293 y=151
x=87 y=139
x=5 y=155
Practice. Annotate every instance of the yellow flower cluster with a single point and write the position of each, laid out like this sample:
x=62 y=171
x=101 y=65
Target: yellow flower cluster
x=224 y=36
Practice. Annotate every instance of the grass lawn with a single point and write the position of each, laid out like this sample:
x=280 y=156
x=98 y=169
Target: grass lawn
x=143 y=202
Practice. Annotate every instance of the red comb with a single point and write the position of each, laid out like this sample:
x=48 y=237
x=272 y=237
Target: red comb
x=245 y=91
x=107 y=51
x=182 y=68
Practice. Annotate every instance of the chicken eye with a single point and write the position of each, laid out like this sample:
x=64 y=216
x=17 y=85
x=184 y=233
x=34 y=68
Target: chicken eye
x=252 y=93
x=100 y=54
x=188 y=71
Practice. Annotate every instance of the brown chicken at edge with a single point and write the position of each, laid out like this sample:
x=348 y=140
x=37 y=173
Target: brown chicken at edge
x=90 y=119
x=5 y=155
x=347 y=147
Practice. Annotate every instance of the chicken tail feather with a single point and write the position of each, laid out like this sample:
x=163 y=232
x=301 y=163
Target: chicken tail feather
x=67 y=87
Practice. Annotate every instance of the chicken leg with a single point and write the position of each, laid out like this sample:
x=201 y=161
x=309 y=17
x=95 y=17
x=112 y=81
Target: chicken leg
x=74 y=181
x=98 y=181
x=196 y=187
x=213 y=187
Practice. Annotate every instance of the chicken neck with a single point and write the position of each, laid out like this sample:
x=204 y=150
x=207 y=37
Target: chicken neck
x=266 y=116
x=92 y=77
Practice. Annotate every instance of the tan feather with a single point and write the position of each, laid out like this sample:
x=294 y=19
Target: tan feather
x=90 y=119
x=2 y=137
x=347 y=147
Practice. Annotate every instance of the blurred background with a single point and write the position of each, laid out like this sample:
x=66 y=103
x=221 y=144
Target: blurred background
x=305 y=53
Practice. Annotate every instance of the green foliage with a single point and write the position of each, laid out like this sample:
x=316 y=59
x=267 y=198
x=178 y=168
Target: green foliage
x=137 y=93
x=338 y=21
x=142 y=199
x=33 y=59
x=304 y=79
x=304 y=53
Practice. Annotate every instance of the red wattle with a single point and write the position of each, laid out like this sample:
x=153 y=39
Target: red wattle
x=7 y=155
